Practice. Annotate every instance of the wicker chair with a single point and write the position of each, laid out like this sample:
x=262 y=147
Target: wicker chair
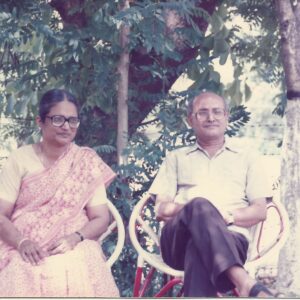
x=116 y=224
x=144 y=235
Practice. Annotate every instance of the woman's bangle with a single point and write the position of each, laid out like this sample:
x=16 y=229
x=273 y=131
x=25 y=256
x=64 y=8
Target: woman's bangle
x=80 y=235
x=21 y=242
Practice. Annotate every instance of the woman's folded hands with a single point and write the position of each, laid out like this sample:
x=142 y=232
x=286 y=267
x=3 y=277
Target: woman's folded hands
x=31 y=252
x=64 y=244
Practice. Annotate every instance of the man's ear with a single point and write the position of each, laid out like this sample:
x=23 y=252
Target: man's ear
x=189 y=120
x=227 y=117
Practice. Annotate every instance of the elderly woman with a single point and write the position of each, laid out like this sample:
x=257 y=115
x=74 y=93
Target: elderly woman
x=52 y=211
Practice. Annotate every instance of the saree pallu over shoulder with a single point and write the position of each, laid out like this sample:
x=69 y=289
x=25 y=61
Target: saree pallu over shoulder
x=80 y=164
x=54 y=198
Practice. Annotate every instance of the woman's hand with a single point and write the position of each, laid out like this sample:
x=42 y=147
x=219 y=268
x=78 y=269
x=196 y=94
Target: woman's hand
x=64 y=244
x=31 y=252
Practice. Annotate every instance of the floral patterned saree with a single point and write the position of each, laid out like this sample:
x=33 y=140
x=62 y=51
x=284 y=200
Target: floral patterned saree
x=51 y=205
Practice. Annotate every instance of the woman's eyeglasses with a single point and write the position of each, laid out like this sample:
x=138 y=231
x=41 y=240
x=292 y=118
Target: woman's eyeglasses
x=59 y=121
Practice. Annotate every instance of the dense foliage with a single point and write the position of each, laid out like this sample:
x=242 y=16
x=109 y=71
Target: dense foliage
x=75 y=44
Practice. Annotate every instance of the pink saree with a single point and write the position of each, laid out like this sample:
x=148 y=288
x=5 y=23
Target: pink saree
x=51 y=205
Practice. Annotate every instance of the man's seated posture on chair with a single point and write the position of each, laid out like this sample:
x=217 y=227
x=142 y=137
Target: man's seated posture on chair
x=209 y=194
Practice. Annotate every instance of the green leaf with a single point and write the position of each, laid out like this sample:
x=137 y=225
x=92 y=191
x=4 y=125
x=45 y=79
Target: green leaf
x=193 y=72
x=208 y=42
x=21 y=106
x=4 y=16
x=74 y=43
x=223 y=33
x=220 y=46
x=37 y=45
x=34 y=98
x=238 y=71
x=11 y=87
x=223 y=11
x=214 y=76
x=248 y=92
x=11 y=101
x=223 y=58
x=235 y=92
x=216 y=23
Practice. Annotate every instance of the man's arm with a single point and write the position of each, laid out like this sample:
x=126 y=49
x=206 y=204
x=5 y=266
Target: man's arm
x=164 y=187
x=249 y=216
x=258 y=184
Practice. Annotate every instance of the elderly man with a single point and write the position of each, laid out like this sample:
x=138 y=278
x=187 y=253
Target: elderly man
x=209 y=194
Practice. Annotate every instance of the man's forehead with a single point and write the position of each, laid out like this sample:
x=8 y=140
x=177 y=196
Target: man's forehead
x=209 y=100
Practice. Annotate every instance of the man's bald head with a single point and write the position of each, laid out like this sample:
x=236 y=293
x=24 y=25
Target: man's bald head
x=205 y=95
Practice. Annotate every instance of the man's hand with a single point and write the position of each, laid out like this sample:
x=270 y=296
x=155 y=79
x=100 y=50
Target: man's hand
x=167 y=210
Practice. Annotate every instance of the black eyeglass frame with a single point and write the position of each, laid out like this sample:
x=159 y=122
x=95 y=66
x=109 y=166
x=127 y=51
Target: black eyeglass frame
x=69 y=120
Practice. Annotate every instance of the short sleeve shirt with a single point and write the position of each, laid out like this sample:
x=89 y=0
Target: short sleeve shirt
x=231 y=179
x=24 y=162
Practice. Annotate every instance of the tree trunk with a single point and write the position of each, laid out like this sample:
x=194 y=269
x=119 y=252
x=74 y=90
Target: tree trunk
x=123 y=68
x=288 y=281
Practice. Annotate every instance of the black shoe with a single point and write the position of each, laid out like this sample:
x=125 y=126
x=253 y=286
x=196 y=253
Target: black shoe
x=257 y=288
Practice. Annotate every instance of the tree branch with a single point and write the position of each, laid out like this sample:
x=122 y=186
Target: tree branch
x=122 y=89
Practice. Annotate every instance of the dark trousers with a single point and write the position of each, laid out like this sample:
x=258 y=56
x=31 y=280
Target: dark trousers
x=197 y=241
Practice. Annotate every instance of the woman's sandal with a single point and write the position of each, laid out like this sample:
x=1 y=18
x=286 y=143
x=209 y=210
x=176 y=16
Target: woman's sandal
x=257 y=288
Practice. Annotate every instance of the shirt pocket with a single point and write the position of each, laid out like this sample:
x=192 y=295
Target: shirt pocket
x=189 y=176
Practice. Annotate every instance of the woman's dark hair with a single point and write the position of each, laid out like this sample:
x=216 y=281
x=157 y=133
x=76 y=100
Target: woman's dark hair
x=51 y=98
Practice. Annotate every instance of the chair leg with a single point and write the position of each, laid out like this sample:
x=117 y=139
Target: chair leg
x=137 y=282
x=138 y=277
x=235 y=292
x=139 y=288
x=147 y=282
x=167 y=287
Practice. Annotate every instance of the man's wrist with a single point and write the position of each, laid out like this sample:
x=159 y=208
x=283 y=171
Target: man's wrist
x=229 y=218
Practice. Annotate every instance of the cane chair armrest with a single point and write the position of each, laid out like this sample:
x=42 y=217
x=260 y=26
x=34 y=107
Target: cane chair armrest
x=117 y=223
x=259 y=252
x=148 y=230
x=152 y=259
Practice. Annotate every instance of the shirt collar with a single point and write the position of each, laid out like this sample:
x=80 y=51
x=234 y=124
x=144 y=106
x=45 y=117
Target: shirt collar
x=226 y=146
x=230 y=146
